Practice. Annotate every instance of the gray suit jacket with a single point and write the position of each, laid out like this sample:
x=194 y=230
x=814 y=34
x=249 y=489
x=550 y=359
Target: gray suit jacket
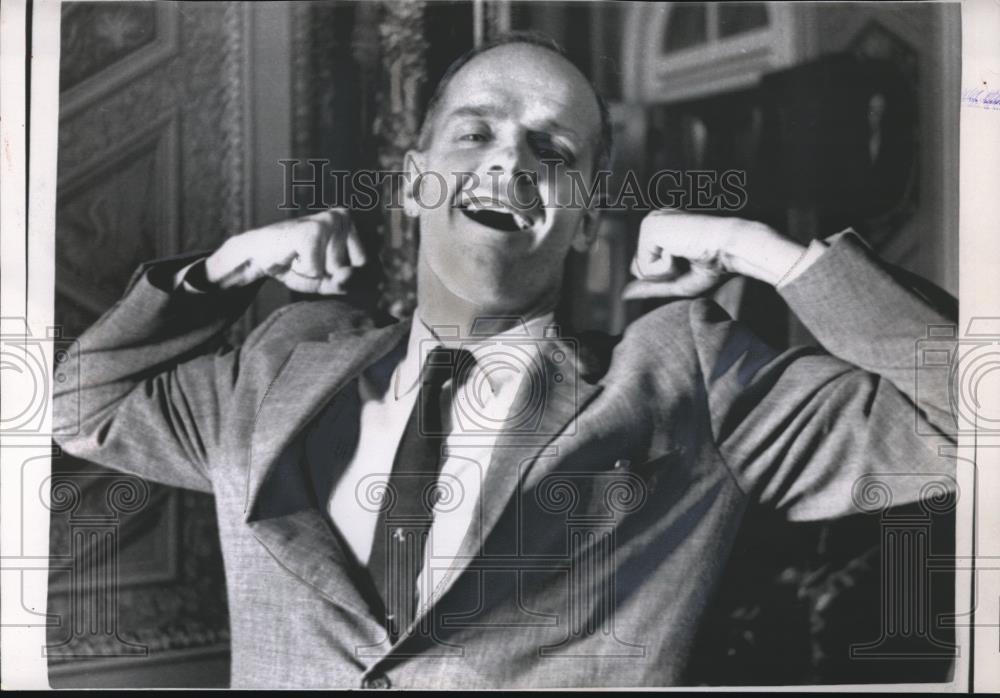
x=602 y=529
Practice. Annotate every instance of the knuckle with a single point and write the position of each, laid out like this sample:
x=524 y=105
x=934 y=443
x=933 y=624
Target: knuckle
x=313 y=234
x=341 y=274
x=337 y=217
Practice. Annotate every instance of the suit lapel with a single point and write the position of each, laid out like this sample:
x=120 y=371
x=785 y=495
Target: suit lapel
x=312 y=375
x=516 y=453
x=289 y=525
x=281 y=508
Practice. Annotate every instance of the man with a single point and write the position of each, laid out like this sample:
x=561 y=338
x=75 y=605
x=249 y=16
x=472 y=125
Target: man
x=551 y=512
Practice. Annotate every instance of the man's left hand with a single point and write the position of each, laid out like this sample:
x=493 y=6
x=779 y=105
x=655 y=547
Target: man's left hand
x=688 y=254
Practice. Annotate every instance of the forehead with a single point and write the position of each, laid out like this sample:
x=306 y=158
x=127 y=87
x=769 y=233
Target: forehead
x=528 y=83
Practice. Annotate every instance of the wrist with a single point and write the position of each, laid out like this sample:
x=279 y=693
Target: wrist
x=764 y=254
x=213 y=266
x=221 y=266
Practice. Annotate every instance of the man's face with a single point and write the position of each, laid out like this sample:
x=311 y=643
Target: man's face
x=496 y=238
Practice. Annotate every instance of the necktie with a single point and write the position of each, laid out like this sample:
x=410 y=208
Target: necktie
x=407 y=509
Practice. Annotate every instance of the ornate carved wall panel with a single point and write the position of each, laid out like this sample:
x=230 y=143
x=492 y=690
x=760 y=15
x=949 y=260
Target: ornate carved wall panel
x=363 y=71
x=116 y=209
x=153 y=130
x=404 y=72
x=104 y=47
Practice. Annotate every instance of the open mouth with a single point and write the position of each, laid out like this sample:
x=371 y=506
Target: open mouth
x=496 y=215
x=498 y=220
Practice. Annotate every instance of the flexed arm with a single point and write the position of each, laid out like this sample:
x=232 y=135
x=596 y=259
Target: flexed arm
x=799 y=428
x=155 y=378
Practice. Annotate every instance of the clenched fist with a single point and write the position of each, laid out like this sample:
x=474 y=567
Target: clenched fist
x=312 y=254
x=687 y=254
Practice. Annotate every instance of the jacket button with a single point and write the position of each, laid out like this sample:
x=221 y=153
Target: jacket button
x=379 y=681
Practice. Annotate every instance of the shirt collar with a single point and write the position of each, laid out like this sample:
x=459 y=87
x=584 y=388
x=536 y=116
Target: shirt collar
x=494 y=350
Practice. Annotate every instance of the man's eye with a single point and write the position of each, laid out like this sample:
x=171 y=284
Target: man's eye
x=549 y=151
x=474 y=137
x=552 y=154
x=558 y=156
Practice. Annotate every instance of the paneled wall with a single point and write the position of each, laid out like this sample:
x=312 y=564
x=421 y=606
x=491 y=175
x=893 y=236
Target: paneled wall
x=155 y=155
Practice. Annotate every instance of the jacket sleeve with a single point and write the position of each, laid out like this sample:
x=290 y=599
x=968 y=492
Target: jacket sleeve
x=149 y=382
x=816 y=434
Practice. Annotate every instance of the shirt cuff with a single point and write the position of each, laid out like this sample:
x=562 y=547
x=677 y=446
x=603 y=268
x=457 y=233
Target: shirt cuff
x=192 y=279
x=813 y=252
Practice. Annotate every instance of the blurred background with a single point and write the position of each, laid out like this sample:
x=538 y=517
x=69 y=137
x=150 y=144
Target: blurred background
x=173 y=117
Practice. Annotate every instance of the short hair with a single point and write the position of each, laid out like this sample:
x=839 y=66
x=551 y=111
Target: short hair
x=602 y=148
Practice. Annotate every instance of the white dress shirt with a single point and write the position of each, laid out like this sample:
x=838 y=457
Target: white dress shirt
x=478 y=410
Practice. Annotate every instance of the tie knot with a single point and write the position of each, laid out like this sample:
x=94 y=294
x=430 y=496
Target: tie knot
x=443 y=363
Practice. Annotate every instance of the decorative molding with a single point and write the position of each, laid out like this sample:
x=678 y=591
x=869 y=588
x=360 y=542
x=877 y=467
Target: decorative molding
x=214 y=134
x=86 y=136
x=160 y=134
x=237 y=206
x=321 y=58
x=204 y=84
x=89 y=674
x=652 y=77
x=89 y=206
x=366 y=51
x=110 y=25
x=404 y=73
x=303 y=84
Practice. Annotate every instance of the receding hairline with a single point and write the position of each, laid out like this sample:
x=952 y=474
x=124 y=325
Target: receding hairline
x=601 y=140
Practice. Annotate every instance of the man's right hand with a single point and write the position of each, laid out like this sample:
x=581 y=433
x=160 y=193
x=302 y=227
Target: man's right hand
x=312 y=254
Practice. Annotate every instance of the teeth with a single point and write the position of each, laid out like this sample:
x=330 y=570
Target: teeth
x=488 y=205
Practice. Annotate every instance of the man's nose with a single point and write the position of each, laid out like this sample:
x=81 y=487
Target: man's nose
x=513 y=162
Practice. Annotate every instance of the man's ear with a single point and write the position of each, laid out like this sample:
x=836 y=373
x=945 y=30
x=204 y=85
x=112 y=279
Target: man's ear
x=587 y=232
x=413 y=165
